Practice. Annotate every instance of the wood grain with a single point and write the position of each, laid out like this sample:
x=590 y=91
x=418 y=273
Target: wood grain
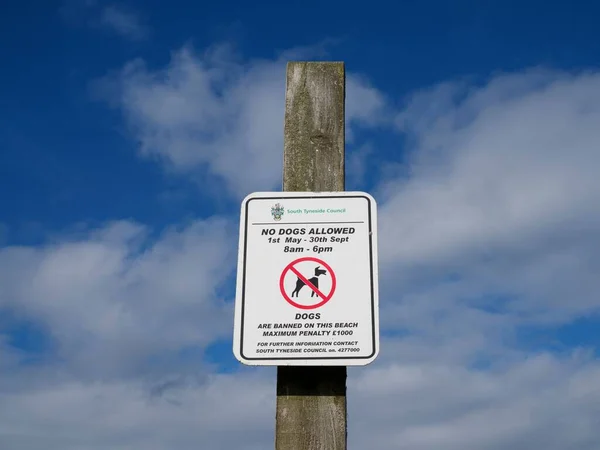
x=311 y=401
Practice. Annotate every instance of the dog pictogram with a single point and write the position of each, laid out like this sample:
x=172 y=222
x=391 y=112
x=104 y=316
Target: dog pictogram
x=314 y=281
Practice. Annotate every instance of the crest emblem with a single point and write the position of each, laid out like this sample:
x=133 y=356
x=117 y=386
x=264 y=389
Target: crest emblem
x=277 y=211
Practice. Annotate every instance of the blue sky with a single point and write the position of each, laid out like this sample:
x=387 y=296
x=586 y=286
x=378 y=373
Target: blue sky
x=57 y=49
x=129 y=133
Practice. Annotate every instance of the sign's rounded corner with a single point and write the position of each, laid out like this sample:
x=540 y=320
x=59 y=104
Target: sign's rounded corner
x=368 y=361
x=249 y=197
x=240 y=357
x=370 y=198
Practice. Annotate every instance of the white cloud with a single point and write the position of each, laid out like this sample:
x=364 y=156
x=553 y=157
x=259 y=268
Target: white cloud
x=502 y=191
x=212 y=113
x=221 y=412
x=122 y=22
x=493 y=227
x=113 y=300
x=366 y=106
x=539 y=402
x=504 y=160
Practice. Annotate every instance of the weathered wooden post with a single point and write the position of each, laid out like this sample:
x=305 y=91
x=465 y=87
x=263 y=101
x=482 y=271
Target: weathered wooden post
x=311 y=401
x=306 y=295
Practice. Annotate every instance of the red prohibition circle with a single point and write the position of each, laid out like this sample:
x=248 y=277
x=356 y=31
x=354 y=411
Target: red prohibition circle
x=324 y=298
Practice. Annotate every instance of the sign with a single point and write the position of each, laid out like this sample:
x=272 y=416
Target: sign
x=307 y=290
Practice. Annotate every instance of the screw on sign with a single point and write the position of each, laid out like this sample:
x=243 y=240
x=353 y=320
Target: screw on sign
x=300 y=280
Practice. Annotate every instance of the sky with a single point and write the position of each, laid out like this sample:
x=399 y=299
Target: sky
x=129 y=134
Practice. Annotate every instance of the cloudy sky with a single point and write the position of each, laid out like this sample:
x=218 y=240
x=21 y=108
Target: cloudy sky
x=130 y=132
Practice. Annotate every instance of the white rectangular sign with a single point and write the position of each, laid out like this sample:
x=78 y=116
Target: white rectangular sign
x=307 y=291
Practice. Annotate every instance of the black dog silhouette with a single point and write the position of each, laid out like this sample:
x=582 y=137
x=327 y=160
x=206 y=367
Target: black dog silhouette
x=314 y=281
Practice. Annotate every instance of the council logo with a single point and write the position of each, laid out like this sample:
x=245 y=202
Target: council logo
x=277 y=211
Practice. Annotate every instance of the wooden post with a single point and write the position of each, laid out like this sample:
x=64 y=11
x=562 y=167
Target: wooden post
x=311 y=401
